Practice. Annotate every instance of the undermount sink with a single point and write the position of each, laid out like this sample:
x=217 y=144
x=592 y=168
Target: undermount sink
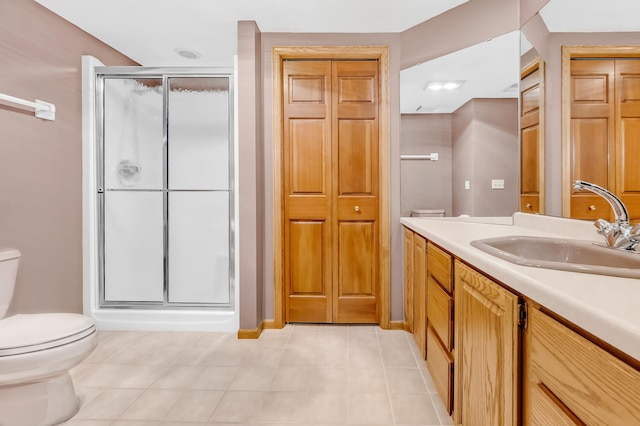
x=563 y=254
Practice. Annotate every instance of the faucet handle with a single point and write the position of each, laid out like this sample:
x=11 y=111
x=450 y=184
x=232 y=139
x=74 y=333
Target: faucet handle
x=607 y=230
x=635 y=232
x=603 y=226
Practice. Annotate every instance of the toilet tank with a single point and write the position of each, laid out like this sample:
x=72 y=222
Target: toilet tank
x=8 y=269
x=427 y=213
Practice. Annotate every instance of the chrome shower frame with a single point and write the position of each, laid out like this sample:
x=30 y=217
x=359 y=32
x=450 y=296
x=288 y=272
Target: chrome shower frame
x=164 y=73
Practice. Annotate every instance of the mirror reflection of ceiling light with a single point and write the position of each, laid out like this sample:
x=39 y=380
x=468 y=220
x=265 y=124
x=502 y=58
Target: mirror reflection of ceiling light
x=444 y=85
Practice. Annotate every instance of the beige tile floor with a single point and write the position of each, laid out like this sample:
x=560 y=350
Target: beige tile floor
x=309 y=375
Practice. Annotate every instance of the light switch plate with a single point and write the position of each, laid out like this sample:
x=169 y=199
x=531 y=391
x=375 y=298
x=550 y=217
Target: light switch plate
x=466 y=184
x=497 y=184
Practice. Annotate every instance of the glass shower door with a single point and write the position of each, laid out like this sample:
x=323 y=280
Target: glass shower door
x=165 y=180
x=198 y=190
x=132 y=196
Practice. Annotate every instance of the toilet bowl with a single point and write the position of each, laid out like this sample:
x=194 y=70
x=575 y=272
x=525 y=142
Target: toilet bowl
x=36 y=353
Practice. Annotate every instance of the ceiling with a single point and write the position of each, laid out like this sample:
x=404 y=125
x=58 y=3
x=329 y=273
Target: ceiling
x=150 y=32
x=489 y=70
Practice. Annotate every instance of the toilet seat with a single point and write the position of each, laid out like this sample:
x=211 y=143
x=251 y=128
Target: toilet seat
x=23 y=334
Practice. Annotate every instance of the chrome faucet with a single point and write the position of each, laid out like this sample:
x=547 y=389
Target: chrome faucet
x=619 y=234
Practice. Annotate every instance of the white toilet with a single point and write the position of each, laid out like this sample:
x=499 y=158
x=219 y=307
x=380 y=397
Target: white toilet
x=36 y=353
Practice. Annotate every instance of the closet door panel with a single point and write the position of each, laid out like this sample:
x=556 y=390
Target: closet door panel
x=592 y=132
x=628 y=140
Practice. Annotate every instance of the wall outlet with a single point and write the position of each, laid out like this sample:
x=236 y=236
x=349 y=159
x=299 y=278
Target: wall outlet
x=497 y=184
x=467 y=185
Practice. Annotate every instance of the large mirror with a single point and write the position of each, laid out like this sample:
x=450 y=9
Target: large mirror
x=537 y=169
x=570 y=148
x=463 y=107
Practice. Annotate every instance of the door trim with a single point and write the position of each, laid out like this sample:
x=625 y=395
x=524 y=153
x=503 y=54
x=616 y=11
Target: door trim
x=569 y=52
x=381 y=53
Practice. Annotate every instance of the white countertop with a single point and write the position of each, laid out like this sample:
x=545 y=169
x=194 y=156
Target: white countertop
x=607 y=307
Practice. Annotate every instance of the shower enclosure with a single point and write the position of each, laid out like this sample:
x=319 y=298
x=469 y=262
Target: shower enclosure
x=164 y=193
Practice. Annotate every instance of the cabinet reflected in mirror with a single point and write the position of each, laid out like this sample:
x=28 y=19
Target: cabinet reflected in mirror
x=532 y=118
x=473 y=128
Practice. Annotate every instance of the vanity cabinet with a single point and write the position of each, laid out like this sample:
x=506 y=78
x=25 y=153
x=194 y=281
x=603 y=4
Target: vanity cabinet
x=415 y=287
x=572 y=381
x=498 y=358
x=408 y=279
x=440 y=358
x=487 y=339
x=420 y=293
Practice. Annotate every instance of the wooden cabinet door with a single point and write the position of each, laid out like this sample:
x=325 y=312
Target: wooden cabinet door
x=420 y=293
x=331 y=188
x=571 y=381
x=486 y=351
x=408 y=279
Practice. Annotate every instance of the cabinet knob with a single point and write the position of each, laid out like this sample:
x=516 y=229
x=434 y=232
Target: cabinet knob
x=592 y=207
x=356 y=208
x=529 y=205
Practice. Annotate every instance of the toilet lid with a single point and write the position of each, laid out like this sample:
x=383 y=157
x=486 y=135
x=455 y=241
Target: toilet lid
x=21 y=334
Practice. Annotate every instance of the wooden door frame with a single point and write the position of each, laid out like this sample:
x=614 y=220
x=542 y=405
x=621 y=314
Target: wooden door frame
x=381 y=53
x=569 y=52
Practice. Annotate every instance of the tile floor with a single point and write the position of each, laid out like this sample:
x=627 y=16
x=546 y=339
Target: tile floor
x=300 y=375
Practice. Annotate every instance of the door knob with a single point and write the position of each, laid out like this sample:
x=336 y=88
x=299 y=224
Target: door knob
x=356 y=208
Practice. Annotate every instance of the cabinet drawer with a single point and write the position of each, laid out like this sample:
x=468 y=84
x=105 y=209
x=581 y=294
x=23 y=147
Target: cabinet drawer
x=440 y=367
x=595 y=386
x=440 y=312
x=439 y=266
x=590 y=207
x=530 y=203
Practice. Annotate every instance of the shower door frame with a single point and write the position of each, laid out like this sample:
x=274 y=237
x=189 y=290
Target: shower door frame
x=163 y=73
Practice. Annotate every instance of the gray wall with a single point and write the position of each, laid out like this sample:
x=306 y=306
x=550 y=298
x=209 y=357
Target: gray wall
x=485 y=147
x=425 y=184
x=41 y=161
x=463 y=134
x=250 y=226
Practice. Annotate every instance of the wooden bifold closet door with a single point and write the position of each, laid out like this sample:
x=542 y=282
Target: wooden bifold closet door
x=605 y=134
x=331 y=191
